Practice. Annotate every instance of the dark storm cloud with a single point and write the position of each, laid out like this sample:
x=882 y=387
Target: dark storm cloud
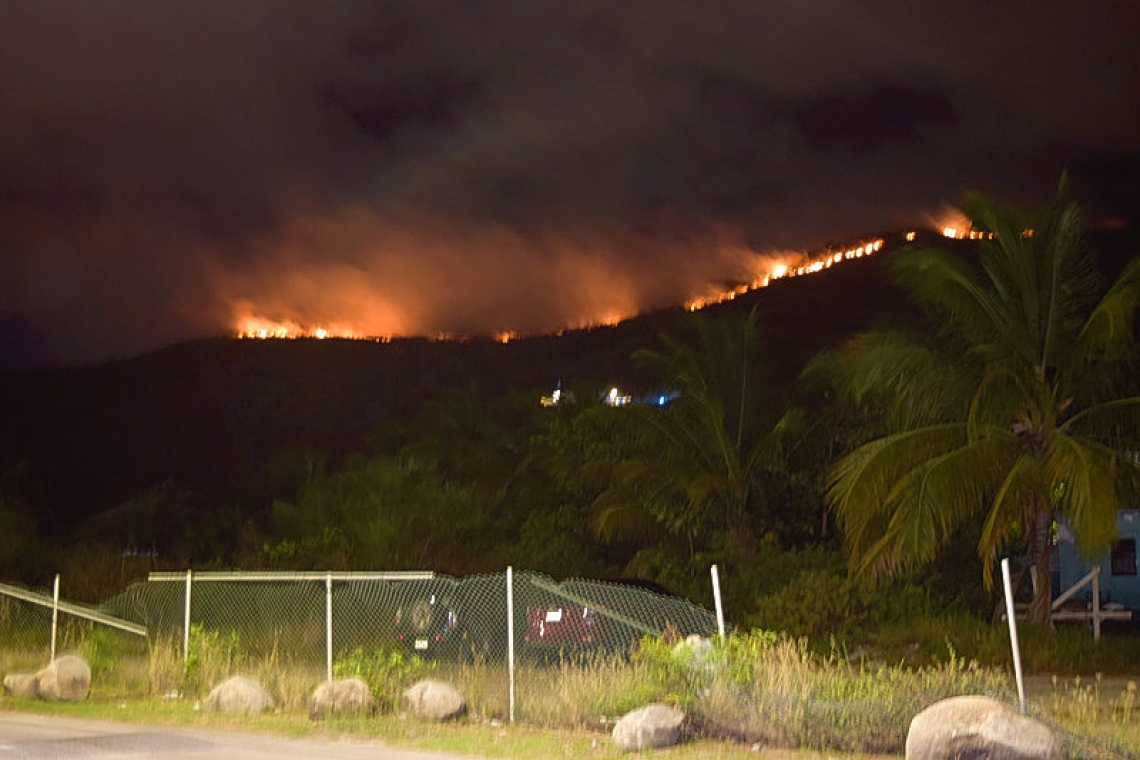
x=161 y=161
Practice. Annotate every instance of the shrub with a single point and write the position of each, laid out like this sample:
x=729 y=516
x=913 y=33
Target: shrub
x=387 y=673
x=774 y=690
x=210 y=659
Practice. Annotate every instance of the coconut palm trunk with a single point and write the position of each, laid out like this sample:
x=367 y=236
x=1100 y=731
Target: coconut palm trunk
x=1040 y=559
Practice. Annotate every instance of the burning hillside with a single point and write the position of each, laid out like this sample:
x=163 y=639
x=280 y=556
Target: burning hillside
x=349 y=307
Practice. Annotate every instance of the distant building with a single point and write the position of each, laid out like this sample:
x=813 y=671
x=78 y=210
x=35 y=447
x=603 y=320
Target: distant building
x=558 y=397
x=1119 y=582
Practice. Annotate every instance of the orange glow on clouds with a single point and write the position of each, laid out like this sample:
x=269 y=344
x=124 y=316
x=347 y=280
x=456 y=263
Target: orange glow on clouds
x=355 y=275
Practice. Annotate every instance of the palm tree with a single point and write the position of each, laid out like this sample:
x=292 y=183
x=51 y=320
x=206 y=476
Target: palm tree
x=1010 y=413
x=697 y=471
x=472 y=440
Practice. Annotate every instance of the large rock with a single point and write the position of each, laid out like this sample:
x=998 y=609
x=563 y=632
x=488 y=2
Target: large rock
x=67 y=679
x=344 y=696
x=978 y=727
x=650 y=727
x=434 y=700
x=21 y=685
x=239 y=695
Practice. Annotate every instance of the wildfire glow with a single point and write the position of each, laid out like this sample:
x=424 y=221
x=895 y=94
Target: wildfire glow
x=777 y=270
x=955 y=225
x=610 y=299
x=261 y=328
x=962 y=234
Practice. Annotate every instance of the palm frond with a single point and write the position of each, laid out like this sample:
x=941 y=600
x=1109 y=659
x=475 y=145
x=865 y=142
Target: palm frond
x=1000 y=392
x=860 y=485
x=1115 y=424
x=1072 y=282
x=1085 y=475
x=703 y=488
x=913 y=383
x=1012 y=506
x=932 y=502
x=1109 y=333
x=949 y=290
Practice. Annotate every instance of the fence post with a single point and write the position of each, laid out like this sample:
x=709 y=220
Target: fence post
x=328 y=626
x=54 y=613
x=511 y=643
x=1096 y=603
x=716 y=598
x=186 y=624
x=1011 y=613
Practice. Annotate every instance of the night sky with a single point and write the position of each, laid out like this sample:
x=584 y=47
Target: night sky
x=414 y=167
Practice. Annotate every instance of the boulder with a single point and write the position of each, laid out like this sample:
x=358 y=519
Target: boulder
x=434 y=700
x=21 y=685
x=67 y=679
x=238 y=695
x=973 y=726
x=344 y=696
x=650 y=727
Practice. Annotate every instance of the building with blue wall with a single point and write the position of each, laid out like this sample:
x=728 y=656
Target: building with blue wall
x=1119 y=582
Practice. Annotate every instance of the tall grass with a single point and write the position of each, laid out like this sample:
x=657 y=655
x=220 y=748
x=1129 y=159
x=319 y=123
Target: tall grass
x=758 y=688
x=794 y=698
x=1101 y=715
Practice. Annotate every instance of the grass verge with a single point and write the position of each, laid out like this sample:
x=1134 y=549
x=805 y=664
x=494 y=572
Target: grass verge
x=756 y=689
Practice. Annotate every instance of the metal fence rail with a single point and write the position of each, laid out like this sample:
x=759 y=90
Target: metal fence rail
x=30 y=621
x=78 y=610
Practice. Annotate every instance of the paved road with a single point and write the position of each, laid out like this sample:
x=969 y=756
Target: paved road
x=40 y=737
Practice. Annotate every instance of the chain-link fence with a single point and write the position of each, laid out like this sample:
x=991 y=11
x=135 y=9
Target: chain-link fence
x=318 y=617
x=36 y=625
x=177 y=633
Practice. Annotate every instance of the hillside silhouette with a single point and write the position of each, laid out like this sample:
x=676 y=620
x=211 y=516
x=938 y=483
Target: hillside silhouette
x=223 y=417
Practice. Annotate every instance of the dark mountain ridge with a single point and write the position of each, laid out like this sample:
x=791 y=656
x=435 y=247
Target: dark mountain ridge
x=214 y=416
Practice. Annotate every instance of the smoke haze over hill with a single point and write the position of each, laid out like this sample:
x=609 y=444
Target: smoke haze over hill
x=168 y=170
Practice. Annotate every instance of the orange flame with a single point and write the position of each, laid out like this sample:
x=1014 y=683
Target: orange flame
x=780 y=268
